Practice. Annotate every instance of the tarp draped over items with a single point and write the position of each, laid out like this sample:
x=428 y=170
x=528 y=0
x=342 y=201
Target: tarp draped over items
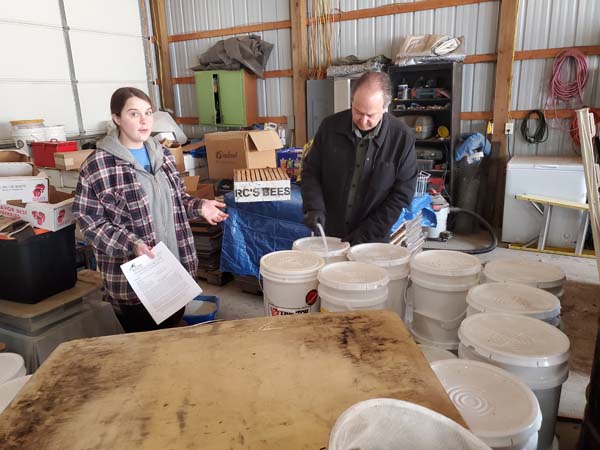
x=418 y=205
x=351 y=65
x=474 y=146
x=255 y=229
x=235 y=53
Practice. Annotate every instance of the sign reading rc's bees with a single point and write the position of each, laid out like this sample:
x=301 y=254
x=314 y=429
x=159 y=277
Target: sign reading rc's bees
x=261 y=185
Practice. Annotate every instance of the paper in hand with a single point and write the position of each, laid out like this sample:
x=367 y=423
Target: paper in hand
x=161 y=283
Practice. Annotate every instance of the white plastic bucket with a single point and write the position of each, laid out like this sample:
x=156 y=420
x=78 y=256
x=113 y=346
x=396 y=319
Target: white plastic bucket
x=441 y=217
x=433 y=354
x=435 y=329
x=10 y=389
x=55 y=132
x=392 y=258
x=24 y=136
x=497 y=406
x=420 y=339
x=352 y=285
x=290 y=282
x=531 y=273
x=336 y=249
x=534 y=351
x=12 y=366
x=390 y=424
x=514 y=298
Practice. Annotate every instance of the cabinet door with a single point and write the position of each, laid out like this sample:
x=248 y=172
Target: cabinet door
x=205 y=98
x=232 y=97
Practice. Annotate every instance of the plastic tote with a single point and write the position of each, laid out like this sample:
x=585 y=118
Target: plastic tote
x=335 y=252
x=289 y=282
x=202 y=308
x=351 y=285
x=499 y=408
x=395 y=260
x=514 y=298
x=390 y=424
x=534 y=351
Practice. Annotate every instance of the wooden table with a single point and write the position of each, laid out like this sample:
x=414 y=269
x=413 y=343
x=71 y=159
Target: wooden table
x=266 y=383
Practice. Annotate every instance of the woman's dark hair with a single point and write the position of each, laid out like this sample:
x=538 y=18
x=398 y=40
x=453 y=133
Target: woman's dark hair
x=120 y=97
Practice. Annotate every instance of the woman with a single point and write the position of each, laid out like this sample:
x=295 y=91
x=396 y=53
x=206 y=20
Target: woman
x=129 y=198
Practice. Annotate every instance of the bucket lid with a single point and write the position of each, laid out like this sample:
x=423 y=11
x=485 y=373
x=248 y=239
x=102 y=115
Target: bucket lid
x=382 y=255
x=433 y=354
x=532 y=273
x=390 y=424
x=513 y=339
x=353 y=276
x=446 y=262
x=315 y=244
x=10 y=365
x=514 y=298
x=499 y=408
x=10 y=389
x=291 y=263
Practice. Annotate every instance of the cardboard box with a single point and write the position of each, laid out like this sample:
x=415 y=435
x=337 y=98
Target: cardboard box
x=23 y=188
x=197 y=189
x=70 y=178
x=54 y=177
x=192 y=146
x=177 y=153
x=12 y=156
x=190 y=184
x=71 y=160
x=53 y=216
x=232 y=150
x=261 y=185
x=16 y=169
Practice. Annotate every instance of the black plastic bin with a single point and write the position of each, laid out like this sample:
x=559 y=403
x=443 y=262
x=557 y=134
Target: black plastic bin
x=37 y=267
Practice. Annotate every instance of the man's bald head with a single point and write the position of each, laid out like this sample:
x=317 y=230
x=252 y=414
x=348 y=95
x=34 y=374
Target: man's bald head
x=371 y=97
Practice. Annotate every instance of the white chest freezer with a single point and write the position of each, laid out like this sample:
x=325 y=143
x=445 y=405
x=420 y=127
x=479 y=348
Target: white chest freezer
x=550 y=176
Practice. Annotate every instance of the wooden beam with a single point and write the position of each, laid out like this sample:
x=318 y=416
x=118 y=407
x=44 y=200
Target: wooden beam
x=194 y=120
x=267 y=74
x=507 y=37
x=518 y=114
x=545 y=53
x=483 y=58
x=267 y=26
x=299 y=66
x=159 y=26
x=398 y=8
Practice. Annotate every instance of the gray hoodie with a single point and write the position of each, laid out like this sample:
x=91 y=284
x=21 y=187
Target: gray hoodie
x=154 y=186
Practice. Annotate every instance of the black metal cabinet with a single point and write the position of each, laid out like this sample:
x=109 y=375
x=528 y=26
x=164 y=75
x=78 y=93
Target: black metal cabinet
x=433 y=93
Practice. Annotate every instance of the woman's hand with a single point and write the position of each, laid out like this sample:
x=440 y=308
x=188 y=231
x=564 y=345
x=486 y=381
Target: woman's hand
x=211 y=212
x=142 y=249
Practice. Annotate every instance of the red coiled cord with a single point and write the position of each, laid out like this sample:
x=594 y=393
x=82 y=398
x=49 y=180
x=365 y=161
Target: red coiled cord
x=561 y=86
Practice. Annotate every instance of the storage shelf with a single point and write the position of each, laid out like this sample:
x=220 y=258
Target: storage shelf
x=413 y=111
x=423 y=100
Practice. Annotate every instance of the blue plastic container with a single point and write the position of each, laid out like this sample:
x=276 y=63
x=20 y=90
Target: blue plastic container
x=202 y=309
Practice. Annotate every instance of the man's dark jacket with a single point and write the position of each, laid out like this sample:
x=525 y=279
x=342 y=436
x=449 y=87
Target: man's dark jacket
x=387 y=183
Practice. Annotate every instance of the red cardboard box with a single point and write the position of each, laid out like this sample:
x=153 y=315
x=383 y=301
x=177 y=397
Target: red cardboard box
x=43 y=152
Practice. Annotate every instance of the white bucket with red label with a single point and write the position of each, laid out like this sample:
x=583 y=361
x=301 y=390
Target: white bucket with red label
x=289 y=282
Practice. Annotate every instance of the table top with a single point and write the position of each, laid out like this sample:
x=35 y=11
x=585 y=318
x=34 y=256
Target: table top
x=268 y=383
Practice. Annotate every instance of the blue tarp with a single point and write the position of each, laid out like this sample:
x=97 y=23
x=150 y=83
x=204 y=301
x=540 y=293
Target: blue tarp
x=255 y=229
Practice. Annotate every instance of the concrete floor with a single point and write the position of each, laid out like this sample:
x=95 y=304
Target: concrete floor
x=580 y=310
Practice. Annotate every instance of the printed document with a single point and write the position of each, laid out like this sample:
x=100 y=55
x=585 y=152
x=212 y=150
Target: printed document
x=161 y=283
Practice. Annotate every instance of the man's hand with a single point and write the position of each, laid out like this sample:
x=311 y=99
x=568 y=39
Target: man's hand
x=142 y=249
x=312 y=218
x=212 y=213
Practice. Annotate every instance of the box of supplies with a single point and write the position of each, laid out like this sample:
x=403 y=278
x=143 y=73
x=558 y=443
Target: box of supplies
x=261 y=185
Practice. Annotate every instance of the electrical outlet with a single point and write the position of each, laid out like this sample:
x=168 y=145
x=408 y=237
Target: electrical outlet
x=509 y=127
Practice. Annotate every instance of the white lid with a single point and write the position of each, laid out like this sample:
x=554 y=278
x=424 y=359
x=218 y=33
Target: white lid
x=513 y=339
x=532 y=273
x=10 y=366
x=515 y=299
x=353 y=276
x=499 y=408
x=10 y=389
x=382 y=255
x=291 y=262
x=433 y=354
x=446 y=262
x=315 y=244
x=547 y=162
x=390 y=424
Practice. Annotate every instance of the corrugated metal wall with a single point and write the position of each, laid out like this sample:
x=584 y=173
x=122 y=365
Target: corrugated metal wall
x=542 y=24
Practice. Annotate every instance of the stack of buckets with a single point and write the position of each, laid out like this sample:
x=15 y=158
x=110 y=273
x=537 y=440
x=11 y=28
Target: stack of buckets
x=25 y=132
x=440 y=281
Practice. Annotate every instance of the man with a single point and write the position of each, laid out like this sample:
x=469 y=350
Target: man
x=362 y=168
